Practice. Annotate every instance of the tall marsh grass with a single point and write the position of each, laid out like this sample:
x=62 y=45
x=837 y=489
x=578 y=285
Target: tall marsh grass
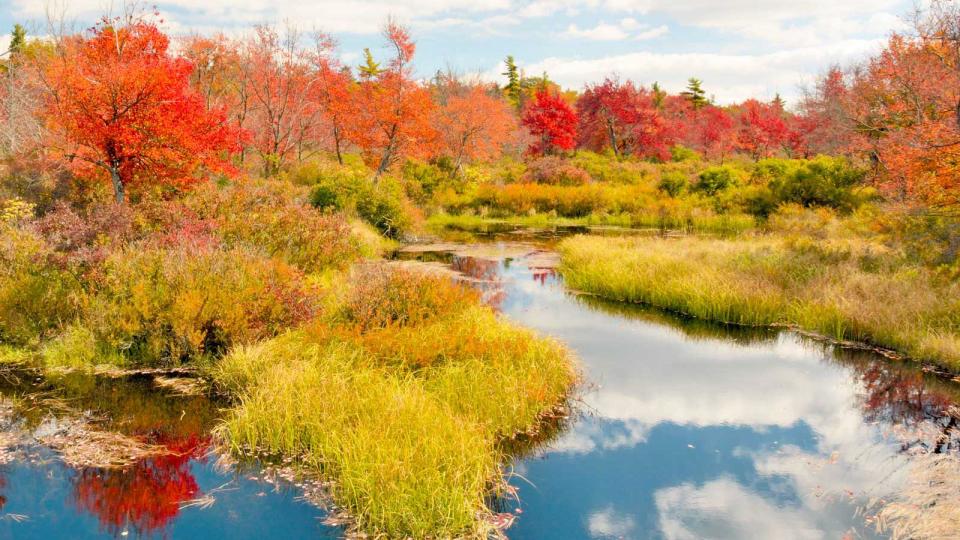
x=845 y=288
x=399 y=406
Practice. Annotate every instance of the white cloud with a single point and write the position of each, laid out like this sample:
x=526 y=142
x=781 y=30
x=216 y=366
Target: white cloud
x=723 y=508
x=347 y=16
x=653 y=33
x=728 y=77
x=601 y=32
x=615 y=32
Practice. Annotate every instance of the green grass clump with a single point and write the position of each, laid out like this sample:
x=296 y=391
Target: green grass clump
x=845 y=288
x=401 y=408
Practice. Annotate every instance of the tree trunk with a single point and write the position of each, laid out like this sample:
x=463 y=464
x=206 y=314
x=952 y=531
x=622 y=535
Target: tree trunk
x=613 y=139
x=118 y=190
x=336 y=144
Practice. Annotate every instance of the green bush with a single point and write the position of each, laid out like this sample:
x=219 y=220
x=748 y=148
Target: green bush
x=682 y=153
x=673 y=183
x=422 y=179
x=716 y=179
x=381 y=203
x=36 y=295
x=822 y=181
x=607 y=168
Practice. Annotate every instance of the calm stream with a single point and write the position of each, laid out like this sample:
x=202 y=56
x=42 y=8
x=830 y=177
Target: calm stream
x=685 y=430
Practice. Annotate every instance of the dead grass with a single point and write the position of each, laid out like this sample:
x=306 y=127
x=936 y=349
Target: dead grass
x=80 y=444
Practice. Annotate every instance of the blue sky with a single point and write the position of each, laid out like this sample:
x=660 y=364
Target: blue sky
x=739 y=48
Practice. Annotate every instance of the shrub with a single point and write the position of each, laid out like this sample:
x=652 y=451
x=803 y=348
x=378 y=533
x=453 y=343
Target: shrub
x=823 y=181
x=673 y=183
x=384 y=296
x=606 y=168
x=555 y=171
x=422 y=180
x=682 y=153
x=36 y=294
x=159 y=306
x=716 y=179
x=274 y=217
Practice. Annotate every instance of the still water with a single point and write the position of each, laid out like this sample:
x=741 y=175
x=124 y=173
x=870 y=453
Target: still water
x=684 y=430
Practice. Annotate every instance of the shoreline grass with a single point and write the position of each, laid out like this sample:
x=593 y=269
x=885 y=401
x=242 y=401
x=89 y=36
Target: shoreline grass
x=399 y=395
x=846 y=289
x=727 y=224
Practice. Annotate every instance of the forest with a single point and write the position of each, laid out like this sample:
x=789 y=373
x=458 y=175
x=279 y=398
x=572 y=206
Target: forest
x=229 y=208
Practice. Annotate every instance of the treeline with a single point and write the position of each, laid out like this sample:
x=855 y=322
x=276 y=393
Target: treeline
x=120 y=102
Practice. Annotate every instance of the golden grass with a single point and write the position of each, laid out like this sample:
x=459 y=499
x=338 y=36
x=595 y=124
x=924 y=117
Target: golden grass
x=847 y=289
x=401 y=408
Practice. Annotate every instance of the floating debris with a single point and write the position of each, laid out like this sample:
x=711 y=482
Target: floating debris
x=81 y=445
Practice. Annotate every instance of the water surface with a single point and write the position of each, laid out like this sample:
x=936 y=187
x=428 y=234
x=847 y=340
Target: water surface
x=696 y=430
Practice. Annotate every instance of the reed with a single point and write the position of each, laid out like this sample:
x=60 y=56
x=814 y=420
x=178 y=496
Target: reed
x=844 y=288
x=401 y=408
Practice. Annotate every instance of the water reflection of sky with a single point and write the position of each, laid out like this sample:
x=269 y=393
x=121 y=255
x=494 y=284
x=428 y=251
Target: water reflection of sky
x=698 y=437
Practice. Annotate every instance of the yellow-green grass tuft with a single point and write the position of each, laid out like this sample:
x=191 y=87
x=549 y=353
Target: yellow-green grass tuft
x=844 y=288
x=401 y=411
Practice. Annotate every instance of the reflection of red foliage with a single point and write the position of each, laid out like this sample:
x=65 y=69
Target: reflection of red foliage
x=541 y=274
x=486 y=273
x=900 y=397
x=145 y=496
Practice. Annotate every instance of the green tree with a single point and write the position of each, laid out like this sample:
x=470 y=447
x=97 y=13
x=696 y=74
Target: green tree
x=512 y=88
x=18 y=38
x=778 y=102
x=370 y=68
x=695 y=94
x=659 y=94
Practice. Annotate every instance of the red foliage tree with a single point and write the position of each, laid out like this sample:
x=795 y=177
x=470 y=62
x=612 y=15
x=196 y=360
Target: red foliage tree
x=624 y=118
x=282 y=115
x=118 y=103
x=822 y=119
x=761 y=128
x=334 y=93
x=552 y=121
x=904 y=106
x=714 y=133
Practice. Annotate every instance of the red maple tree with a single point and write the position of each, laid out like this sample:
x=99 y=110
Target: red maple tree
x=118 y=105
x=552 y=121
x=625 y=118
x=761 y=128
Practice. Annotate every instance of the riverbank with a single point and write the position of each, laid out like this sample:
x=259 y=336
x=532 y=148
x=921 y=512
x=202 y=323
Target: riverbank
x=847 y=289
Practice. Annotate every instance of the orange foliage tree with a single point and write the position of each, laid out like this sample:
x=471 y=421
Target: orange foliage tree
x=394 y=113
x=474 y=122
x=904 y=105
x=279 y=78
x=117 y=104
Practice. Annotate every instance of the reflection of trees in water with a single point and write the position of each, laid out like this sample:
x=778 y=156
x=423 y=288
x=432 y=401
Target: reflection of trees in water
x=923 y=404
x=145 y=496
x=892 y=393
x=484 y=275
